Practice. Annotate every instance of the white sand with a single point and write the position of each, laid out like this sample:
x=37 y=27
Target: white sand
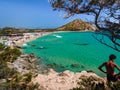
x=20 y=42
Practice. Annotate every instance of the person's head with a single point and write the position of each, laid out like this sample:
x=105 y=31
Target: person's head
x=112 y=57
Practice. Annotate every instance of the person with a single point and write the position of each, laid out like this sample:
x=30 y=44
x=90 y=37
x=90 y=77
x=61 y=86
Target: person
x=110 y=67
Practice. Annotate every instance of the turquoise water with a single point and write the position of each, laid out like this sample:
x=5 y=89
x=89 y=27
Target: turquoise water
x=75 y=51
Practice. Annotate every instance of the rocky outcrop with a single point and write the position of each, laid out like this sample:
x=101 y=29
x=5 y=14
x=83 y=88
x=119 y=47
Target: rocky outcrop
x=25 y=64
x=68 y=80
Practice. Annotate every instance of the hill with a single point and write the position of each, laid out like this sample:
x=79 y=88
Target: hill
x=77 y=25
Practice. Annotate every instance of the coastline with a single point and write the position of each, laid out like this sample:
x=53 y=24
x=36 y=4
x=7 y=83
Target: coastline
x=23 y=40
x=66 y=80
x=31 y=38
x=53 y=80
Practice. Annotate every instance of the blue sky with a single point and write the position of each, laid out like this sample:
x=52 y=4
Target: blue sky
x=31 y=14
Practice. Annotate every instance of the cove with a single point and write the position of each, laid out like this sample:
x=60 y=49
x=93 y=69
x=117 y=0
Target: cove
x=74 y=51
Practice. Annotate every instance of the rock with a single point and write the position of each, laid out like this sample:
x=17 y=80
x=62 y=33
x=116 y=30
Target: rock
x=3 y=81
x=10 y=65
x=45 y=71
x=8 y=79
x=24 y=64
x=63 y=74
x=90 y=71
x=83 y=72
x=68 y=80
x=82 y=66
x=51 y=71
x=32 y=60
x=75 y=65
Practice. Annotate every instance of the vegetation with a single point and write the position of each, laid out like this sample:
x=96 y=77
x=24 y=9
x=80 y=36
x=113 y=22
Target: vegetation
x=106 y=14
x=10 y=30
x=92 y=83
x=10 y=79
x=9 y=55
x=49 y=30
x=115 y=85
x=1 y=46
x=18 y=82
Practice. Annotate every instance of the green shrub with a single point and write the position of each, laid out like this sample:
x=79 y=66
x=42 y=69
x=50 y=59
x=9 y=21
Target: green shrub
x=114 y=85
x=15 y=81
x=6 y=72
x=28 y=77
x=1 y=47
x=9 y=55
x=90 y=83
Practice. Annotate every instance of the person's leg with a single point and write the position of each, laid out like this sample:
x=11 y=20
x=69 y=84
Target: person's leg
x=117 y=76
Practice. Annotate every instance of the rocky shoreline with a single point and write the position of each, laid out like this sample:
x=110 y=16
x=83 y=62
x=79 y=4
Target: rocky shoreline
x=52 y=80
x=67 y=80
x=25 y=63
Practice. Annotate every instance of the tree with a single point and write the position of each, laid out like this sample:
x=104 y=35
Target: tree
x=106 y=14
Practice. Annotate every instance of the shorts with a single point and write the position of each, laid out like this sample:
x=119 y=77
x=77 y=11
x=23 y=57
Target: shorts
x=112 y=78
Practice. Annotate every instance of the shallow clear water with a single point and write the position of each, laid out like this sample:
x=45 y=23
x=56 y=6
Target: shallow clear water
x=75 y=51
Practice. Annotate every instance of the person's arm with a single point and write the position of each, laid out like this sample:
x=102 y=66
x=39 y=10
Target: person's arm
x=100 y=68
x=117 y=67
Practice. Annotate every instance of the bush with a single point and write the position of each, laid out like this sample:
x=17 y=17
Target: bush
x=9 y=55
x=21 y=83
x=14 y=81
x=6 y=72
x=1 y=47
x=114 y=85
x=90 y=83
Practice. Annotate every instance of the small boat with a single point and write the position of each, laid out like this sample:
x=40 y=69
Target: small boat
x=41 y=47
x=31 y=44
x=58 y=36
x=24 y=45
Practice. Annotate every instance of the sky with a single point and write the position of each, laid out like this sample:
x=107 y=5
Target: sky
x=31 y=14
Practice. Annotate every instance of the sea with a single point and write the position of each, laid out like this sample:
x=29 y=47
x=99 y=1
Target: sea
x=74 y=51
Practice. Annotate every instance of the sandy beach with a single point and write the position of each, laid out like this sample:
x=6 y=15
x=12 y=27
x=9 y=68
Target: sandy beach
x=27 y=38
